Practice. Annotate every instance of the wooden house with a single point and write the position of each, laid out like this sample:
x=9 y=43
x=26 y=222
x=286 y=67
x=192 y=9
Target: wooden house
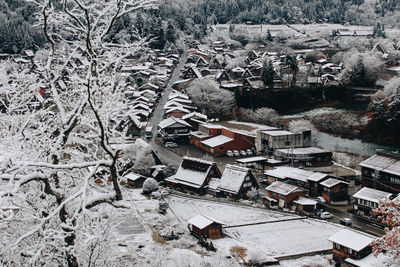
x=255 y=163
x=335 y=191
x=367 y=199
x=192 y=73
x=350 y=244
x=202 y=63
x=195 y=119
x=202 y=226
x=314 y=158
x=216 y=63
x=135 y=180
x=236 y=181
x=381 y=172
x=194 y=174
x=222 y=75
x=174 y=127
x=305 y=205
x=284 y=193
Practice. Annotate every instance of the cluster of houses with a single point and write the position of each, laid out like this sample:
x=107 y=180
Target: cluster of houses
x=212 y=61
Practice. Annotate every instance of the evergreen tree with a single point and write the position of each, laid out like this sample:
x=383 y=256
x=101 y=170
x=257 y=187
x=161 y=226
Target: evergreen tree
x=139 y=24
x=170 y=33
x=157 y=34
x=267 y=74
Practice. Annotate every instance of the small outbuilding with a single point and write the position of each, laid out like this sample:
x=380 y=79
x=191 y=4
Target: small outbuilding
x=202 y=226
x=135 y=180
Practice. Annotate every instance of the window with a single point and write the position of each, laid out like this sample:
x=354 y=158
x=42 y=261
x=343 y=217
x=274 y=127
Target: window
x=287 y=143
x=221 y=147
x=349 y=251
x=337 y=246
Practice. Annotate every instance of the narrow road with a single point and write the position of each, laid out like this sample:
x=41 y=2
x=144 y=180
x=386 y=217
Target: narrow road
x=357 y=221
x=167 y=156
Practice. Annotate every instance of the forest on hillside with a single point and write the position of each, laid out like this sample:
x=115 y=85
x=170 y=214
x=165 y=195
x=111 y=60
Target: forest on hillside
x=18 y=30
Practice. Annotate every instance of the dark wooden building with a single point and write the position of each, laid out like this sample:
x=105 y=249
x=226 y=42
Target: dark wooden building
x=335 y=191
x=350 y=244
x=202 y=226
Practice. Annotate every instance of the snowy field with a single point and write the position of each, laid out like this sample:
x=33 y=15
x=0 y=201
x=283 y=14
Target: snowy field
x=286 y=238
x=228 y=214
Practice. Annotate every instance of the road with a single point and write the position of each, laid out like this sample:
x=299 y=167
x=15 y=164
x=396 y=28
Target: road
x=167 y=156
x=357 y=221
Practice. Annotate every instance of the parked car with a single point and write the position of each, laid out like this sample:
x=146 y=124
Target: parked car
x=171 y=144
x=321 y=200
x=229 y=153
x=249 y=152
x=345 y=221
x=243 y=153
x=326 y=215
x=236 y=153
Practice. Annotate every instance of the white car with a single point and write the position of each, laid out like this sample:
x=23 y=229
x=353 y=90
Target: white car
x=236 y=153
x=243 y=153
x=326 y=215
x=321 y=200
x=249 y=152
x=171 y=144
x=229 y=153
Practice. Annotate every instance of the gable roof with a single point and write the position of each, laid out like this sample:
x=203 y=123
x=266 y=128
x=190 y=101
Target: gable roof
x=352 y=239
x=371 y=194
x=171 y=121
x=282 y=188
x=195 y=114
x=382 y=163
x=201 y=221
x=232 y=178
x=193 y=172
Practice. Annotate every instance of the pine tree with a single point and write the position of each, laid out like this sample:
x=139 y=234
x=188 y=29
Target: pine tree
x=267 y=74
x=139 y=24
x=170 y=33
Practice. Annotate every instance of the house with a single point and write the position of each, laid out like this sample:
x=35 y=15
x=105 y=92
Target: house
x=381 y=172
x=202 y=226
x=222 y=75
x=204 y=132
x=201 y=62
x=177 y=112
x=174 y=127
x=236 y=181
x=310 y=157
x=135 y=180
x=284 y=193
x=237 y=72
x=216 y=63
x=229 y=139
x=367 y=199
x=335 y=191
x=194 y=174
x=350 y=244
x=268 y=140
x=255 y=163
x=195 y=119
x=192 y=73
x=305 y=205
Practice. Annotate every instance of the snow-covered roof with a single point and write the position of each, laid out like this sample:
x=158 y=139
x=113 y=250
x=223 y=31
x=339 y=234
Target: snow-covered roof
x=303 y=151
x=133 y=176
x=177 y=109
x=352 y=239
x=171 y=121
x=252 y=159
x=195 y=114
x=316 y=177
x=213 y=184
x=232 y=178
x=277 y=133
x=192 y=172
x=331 y=182
x=201 y=221
x=217 y=141
x=382 y=163
x=283 y=172
x=305 y=201
x=371 y=194
x=282 y=188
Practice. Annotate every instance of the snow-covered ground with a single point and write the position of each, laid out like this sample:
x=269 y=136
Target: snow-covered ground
x=286 y=238
x=135 y=235
x=228 y=214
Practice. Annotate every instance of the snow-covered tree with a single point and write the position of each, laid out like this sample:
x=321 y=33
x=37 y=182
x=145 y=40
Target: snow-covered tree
x=56 y=133
x=210 y=99
x=150 y=186
x=266 y=116
x=389 y=214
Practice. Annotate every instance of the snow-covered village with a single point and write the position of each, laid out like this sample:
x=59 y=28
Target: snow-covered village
x=200 y=133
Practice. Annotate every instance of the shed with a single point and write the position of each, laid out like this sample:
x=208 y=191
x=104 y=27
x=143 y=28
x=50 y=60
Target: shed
x=202 y=226
x=305 y=204
x=135 y=180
